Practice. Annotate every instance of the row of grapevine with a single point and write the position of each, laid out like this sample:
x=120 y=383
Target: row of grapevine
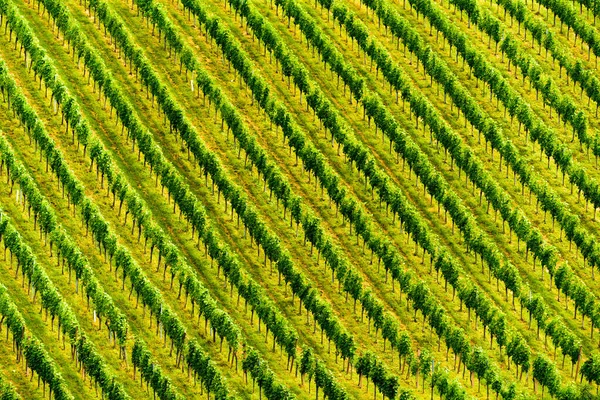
x=36 y=357
x=592 y=6
x=372 y=369
x=474 y=169
x=575 y=69
x=53 y=303
x=548 y=199
x=590 y=370
x=59 y=239
x=204 y=368
x=565 y=348
x=101 y=232
x=11 y=317
x=568 y=15
x=39 y=361
x=564 y=105
x=150 y=371
x=313 y=369
x=261 y=373
x=7 y=390
x=369 y=366
x=97 y=153
x=169 y=177
x=220 y=321
x=242 y=73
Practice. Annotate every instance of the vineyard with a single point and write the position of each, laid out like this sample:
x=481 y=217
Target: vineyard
x=299 y=199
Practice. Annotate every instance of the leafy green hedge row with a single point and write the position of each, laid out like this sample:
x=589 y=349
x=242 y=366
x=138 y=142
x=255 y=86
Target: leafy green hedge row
x=94 y=221
x=53 y=303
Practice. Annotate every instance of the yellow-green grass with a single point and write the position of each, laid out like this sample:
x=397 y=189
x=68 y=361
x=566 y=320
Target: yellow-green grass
x=432 y=94
x=549 y=175
x=210 y=131
x=132 y=160
x=250 y=258
x=81 y=168
x=459 y=127
x=37 y=322
x=486 y=221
